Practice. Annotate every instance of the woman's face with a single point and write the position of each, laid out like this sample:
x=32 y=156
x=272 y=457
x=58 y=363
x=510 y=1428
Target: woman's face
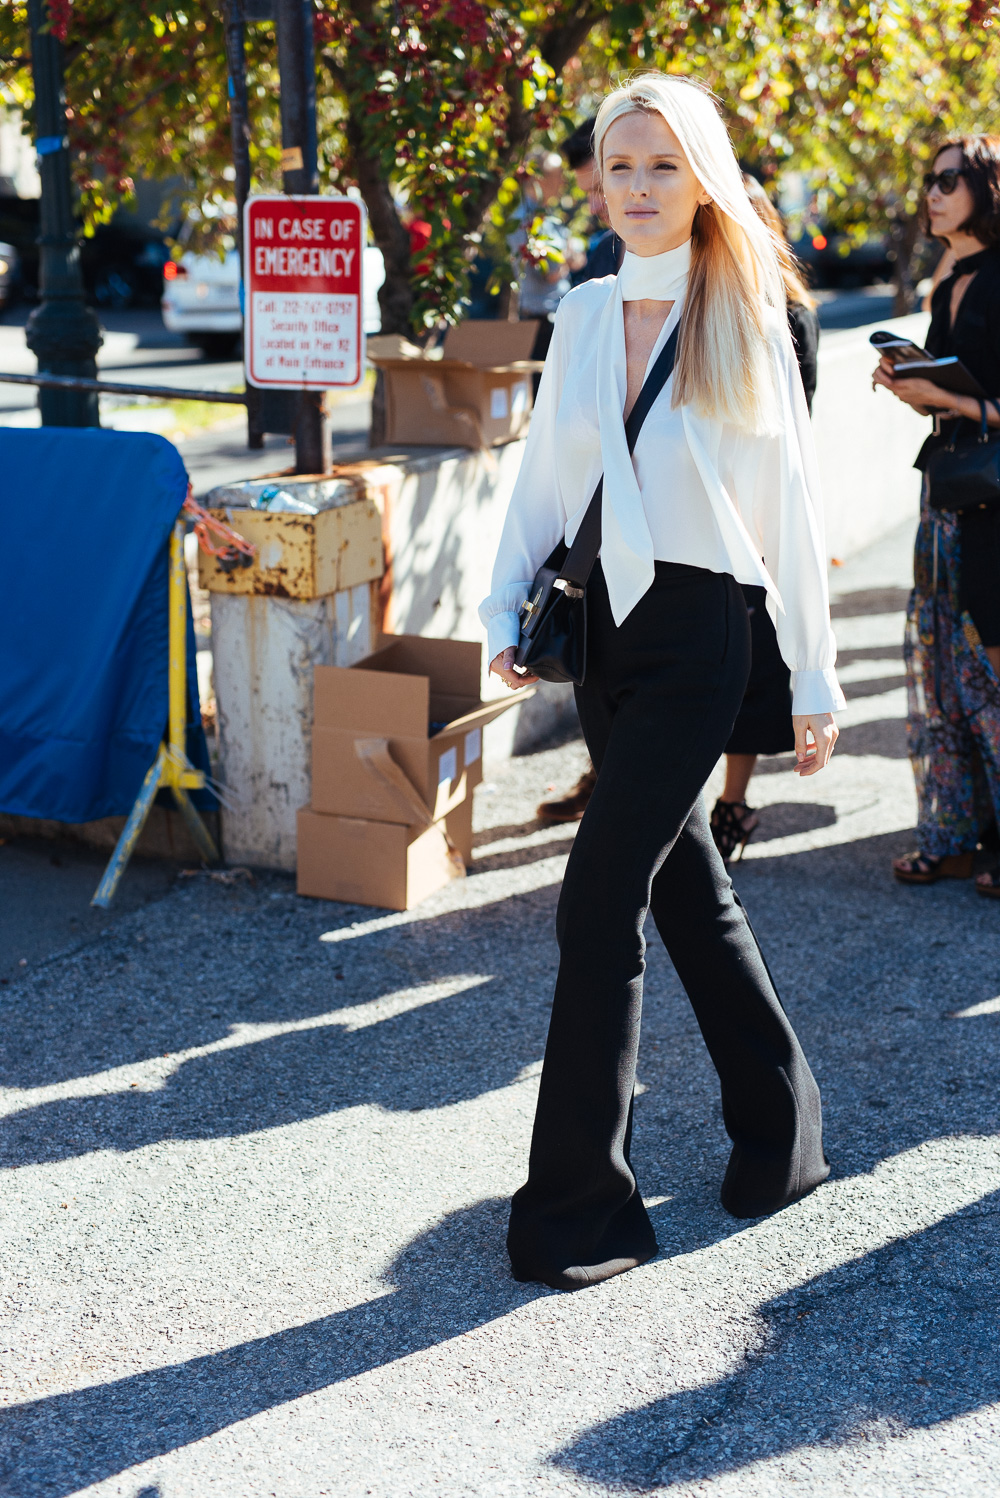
x=947 y=212
x=651 y=192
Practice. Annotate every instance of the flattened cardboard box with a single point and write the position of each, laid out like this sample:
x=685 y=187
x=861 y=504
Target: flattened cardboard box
x=477 y=393
x=381 y=863
x=421 y=699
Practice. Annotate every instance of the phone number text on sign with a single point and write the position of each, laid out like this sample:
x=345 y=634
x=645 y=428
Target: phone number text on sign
x=303 y=292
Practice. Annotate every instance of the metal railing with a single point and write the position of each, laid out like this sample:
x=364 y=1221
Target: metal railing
x=107 y=387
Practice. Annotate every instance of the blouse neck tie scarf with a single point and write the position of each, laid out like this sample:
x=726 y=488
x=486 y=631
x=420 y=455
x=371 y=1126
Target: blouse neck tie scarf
x=626 y=545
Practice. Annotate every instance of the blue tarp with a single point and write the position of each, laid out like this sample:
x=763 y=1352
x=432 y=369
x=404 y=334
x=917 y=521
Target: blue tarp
x=84 y=524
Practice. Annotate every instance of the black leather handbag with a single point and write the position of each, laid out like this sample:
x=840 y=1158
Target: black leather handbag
x=966 y=478
x=553 y=643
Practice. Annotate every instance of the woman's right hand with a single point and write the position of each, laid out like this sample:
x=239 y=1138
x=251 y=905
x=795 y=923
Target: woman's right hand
x=882 y=375
x=503 y=666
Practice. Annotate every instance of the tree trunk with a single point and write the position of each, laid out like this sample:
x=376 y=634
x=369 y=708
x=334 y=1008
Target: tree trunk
x=395 y=296
x=396 y=293
x=904 y=231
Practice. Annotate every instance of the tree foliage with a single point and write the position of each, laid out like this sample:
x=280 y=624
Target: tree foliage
x=147 y=96
x=855 y=95
x=431 y=104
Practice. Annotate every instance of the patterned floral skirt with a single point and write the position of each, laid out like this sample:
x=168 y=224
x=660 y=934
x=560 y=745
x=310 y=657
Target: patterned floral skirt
x=953 y=724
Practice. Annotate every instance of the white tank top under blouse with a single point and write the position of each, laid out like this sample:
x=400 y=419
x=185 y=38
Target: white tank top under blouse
x=696 y=490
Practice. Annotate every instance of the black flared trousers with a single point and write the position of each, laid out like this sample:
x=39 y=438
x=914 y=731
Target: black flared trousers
x=657 y=707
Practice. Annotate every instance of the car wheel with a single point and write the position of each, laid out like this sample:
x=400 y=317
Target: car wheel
x=216 y=345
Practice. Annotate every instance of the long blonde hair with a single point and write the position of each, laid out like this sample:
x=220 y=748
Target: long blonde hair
x=724 y=364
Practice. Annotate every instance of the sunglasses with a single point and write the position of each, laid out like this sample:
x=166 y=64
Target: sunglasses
x=946 y=180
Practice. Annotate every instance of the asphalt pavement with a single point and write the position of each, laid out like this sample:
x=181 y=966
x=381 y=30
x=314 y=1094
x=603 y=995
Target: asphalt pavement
x=258 y=1150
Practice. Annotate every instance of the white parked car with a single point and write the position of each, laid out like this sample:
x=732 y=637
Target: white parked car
x=201 y=299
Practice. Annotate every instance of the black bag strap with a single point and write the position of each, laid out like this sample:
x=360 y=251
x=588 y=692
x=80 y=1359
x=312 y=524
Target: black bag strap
x=582 y=554
x=984 y=432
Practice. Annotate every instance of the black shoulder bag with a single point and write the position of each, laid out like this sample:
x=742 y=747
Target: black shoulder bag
x=968 y=477
x=553 y=643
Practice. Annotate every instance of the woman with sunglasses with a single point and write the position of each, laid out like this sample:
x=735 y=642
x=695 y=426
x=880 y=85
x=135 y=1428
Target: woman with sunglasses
x=953 y=627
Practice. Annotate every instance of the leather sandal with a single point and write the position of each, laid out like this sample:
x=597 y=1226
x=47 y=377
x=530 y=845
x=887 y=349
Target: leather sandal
x=925 y=868
x=988 y=884
x=733 y=824
x=571 y=807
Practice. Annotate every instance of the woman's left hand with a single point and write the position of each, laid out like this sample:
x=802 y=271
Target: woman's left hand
x=824 y=733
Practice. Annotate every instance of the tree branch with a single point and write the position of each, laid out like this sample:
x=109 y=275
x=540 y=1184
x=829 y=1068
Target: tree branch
x=561 y=43
x=396 y=293
x=167 y=83
x=564 y=40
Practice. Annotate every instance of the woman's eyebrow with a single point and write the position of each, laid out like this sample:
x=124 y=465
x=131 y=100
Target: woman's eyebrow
x=655 y=156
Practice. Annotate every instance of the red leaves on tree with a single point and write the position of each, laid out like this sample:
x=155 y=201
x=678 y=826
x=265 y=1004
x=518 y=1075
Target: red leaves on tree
x=60 y=15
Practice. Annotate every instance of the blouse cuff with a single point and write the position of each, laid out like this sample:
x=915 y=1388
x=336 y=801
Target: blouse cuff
x=501 y=614
x=816 y=692
x=501 y=630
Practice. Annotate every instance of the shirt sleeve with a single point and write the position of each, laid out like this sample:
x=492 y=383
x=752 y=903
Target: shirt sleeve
x=536 y=519
x=803 y=325
x=788 y=513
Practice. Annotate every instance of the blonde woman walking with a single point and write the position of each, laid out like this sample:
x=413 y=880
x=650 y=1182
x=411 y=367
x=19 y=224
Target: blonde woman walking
x=723 y=475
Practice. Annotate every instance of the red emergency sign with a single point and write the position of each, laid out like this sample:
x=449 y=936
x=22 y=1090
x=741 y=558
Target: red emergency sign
x=303 y=295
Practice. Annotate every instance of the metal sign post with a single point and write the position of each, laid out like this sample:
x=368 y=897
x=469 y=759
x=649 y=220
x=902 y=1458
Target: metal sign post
x=300 y=175
x=303 y=316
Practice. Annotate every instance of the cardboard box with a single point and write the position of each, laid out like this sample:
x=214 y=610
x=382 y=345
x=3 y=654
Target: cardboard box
x=384 y=864
x=300 y=556
x=475 y=392
x=398 y=737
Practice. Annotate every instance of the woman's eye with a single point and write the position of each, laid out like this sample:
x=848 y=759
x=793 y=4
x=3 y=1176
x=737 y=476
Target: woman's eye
x=665 y=166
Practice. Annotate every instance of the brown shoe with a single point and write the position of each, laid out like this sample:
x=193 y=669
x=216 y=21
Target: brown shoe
x=570 y=808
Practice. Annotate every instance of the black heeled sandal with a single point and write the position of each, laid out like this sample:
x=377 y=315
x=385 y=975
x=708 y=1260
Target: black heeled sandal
x=733 y=824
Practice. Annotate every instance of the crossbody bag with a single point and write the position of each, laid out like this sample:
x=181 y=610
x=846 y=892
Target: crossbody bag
x=553 y=642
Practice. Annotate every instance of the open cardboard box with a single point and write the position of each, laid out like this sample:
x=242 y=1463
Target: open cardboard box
x=398 y=737
x=397 y=751
x=381 y=863
x=474 y=392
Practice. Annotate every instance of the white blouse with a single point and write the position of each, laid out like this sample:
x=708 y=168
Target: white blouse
x=697 y=491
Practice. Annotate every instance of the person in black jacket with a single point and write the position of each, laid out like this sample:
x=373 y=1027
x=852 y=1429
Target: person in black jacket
x=952 y=646
x=764 y=724
x=605 y=251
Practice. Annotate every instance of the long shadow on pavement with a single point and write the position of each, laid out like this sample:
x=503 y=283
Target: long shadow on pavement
x=444 y=1283
x=902 y=1340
